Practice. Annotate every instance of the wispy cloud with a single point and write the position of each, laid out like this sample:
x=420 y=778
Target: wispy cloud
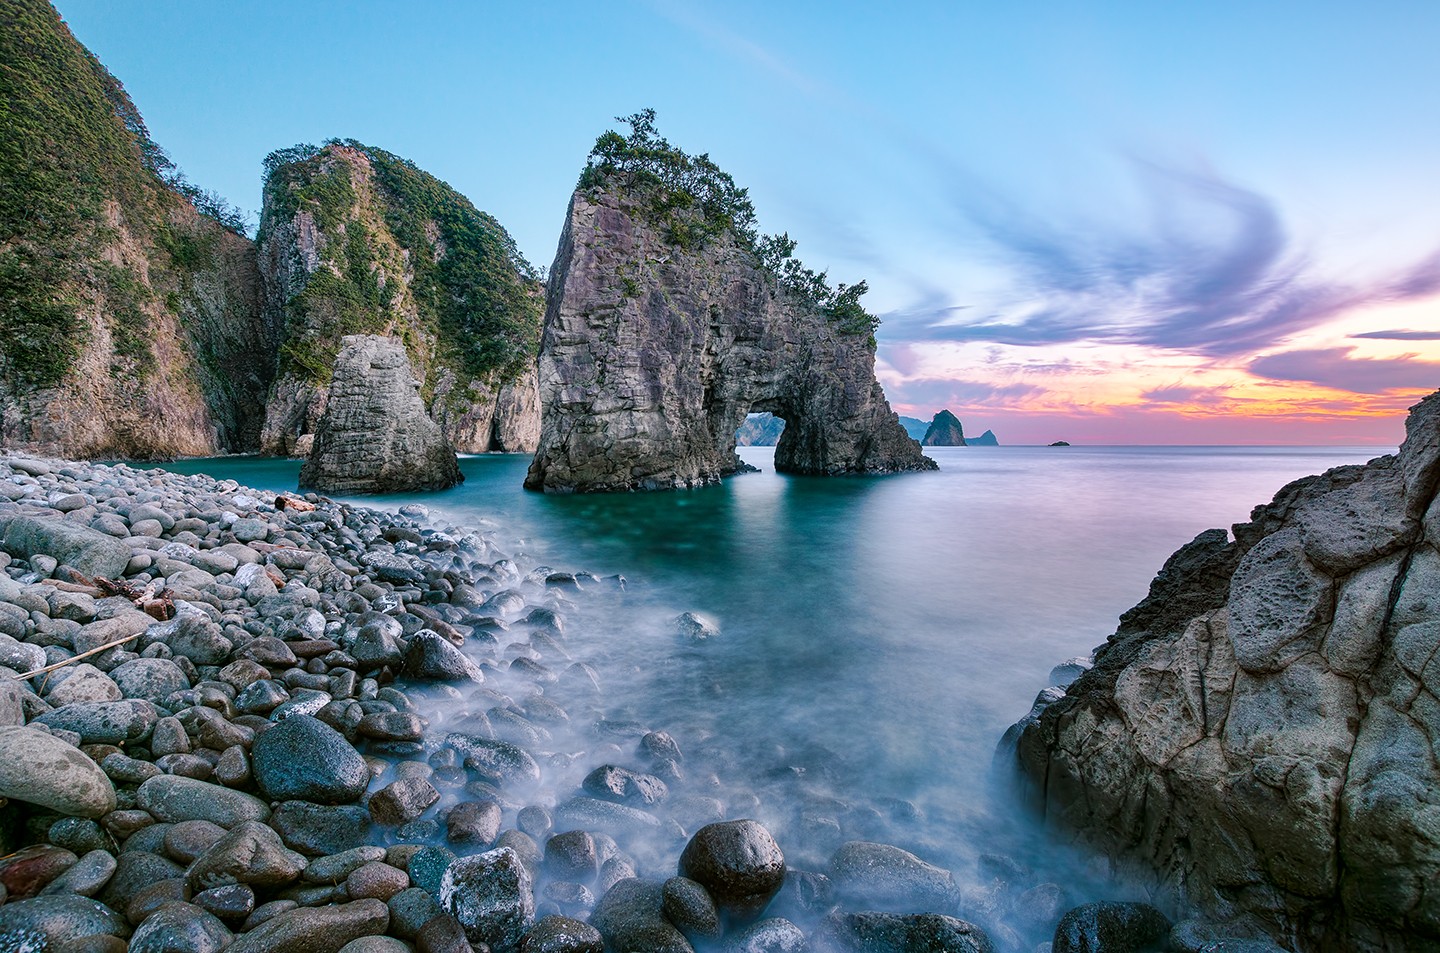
x=1214 y=273
x=1335 y=367
x=1399 y=334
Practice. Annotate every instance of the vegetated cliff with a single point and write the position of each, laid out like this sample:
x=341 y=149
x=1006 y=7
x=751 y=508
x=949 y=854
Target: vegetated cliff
x=668 y=321
x=355 y=240
x=129 y=322
x=944 y=431
x=1260 y=734
x=375 y=435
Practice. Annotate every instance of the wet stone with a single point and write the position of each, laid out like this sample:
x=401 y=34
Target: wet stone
x=738 y=863
x=490 y=895
x=321 y=829
x=410 y=910
x=1109 y=925
x=250 y=854
x=473 y=823
x=557 y=934
x=304 y=759
x=572 y=856
x=231 y=903
x=180 y=928
x=402 y=801
x=376 y=880
x=686 y=904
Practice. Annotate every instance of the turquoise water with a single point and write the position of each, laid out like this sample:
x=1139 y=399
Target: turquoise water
x=878 y=634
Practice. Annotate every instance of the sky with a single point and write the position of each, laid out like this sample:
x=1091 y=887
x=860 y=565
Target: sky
x=1107 y=223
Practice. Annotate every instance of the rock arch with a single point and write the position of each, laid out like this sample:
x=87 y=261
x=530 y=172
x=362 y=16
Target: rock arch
x=652 y=355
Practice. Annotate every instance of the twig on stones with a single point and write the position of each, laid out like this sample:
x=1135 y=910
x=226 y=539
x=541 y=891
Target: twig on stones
x=97 y=649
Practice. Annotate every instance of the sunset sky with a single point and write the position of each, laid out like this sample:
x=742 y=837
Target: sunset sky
x=1105 y=223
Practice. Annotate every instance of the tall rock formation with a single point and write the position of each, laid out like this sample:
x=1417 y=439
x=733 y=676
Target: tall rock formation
x=375 y=436
x=944 y=431
x=1260 y=734
x=356 y=240
x=667 y=322
x=129 y=321
x=986 y=439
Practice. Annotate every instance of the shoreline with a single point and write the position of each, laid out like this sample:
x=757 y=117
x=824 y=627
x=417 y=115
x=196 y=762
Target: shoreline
x=349 y=627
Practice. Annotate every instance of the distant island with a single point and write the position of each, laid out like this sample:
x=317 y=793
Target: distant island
x=1060 y=443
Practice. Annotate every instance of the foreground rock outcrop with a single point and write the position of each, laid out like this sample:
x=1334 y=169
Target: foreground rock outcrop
x=375 y=436
x=944 y=431
x=355 y=240
x=129 y=321
x=664 y=329
x=1259 y=736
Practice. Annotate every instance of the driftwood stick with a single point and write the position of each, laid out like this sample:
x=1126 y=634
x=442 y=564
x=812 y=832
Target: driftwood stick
x=97 y=649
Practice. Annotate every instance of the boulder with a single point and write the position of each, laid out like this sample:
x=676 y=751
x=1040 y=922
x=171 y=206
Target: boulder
x=38 y=768
x=738 y=863
x=304 y=759
x=376 y=436
x=901 y=933
x=884 y=878
x=629 y=917
x=490 y=895
x=83 y=549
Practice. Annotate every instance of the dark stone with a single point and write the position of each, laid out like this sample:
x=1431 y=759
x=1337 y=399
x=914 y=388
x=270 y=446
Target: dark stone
x=402 y=801
x=62 y=919
x=473 y=823
x=490 y=895
x=304 y=759
x=773 y=935
x=315 y=929
x=629 y=918
x=318 y=830
x=556 y=934
x=180 y=928
x=739 y=865
x=430 y=658
x=687 y=905
x=572 y=856
x=613 y=783
x=900 y=933
x=1110 y=927
x=498 y=762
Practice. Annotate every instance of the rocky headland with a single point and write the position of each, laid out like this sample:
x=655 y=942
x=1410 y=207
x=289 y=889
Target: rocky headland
x=1258 y=737
x=668 y=321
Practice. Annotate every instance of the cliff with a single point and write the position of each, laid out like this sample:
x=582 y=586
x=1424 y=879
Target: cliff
x=375 y=435
x=944 y=431
x=355 y=240
x=667 y=322
x=1259 y=735
x=129 y=321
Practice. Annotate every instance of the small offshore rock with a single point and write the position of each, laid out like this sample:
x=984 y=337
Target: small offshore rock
x=572 y=856
x=473 y=823
x=696 y=628
x=402 y=801
x=1110 y=926
x=490 y=895
x=738 y=863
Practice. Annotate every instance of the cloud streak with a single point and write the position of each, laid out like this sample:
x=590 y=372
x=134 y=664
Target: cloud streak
x=1214 y=274
x=1398 y=334
x=1334 y=367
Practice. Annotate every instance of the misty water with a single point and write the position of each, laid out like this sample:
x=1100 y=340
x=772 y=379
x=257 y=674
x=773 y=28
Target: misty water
x=877 y=635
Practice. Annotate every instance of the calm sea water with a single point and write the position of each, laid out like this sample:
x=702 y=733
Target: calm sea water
x=878 y=635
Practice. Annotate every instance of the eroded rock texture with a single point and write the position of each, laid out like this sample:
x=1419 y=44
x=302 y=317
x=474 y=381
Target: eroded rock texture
x=1261 y=732
x=375 y=436
x=652 y=355
x=354 y=239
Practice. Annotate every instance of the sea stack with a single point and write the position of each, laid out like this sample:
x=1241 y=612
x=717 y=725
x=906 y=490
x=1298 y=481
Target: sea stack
x=945 y=431
x=1260 y=732
x=375 y=436
x=668 y=321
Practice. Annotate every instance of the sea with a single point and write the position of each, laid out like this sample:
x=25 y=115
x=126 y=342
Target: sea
x=876 y=635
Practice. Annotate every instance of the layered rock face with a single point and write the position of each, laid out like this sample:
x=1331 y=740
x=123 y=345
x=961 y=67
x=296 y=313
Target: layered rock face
x=375 y=436
x=129 y=322
x=944 y=431
x=1261 y=731
x=356 y=240
x=653 y=354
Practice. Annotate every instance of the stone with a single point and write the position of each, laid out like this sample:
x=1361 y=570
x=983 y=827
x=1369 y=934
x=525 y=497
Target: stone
x=26 y=872
x=687 y=905
x=304 y=759
x=900 y=933
x=772 y=935
x=713 y=356
x=180 y=928
x=318 y=830
x=886 y=879
x=1110 y=927
x=629 y=917
x=85 y=877
x=137 y=870
x=377 y=880
x=62 y=920
x=315 y=929
x=152 y=679
x=250 y=853
x=391 y=726
x=231 y=903
x=336 y=867
x=473 y=823
x=83 y=682
x=174 y=799
x=738 y=863
x=428 y=865
x=200 y=640
x=490 y=895
x=498 y=762
x=83 y=549
x=572 y=856
x=402 y=801
x=557 y=934
x=108 y=723
x=375 y=435
x=431 y=658
x=39 y=768
x=612 y=783
x=410 y=910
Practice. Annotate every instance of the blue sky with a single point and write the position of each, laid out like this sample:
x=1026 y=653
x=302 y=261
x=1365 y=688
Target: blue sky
x=1113 y=222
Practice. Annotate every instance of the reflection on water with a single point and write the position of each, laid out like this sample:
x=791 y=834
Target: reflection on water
x=877 y=635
